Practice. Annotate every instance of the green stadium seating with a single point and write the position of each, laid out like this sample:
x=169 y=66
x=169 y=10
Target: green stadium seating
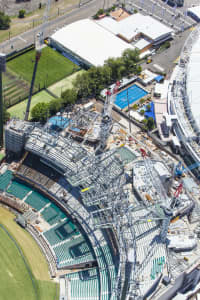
x=37 y=200
x=18 y=190
x=158 y=264
x=5 y=179
x=73 y=252
x=53 y=214
x=84 y=285
x=61 y=232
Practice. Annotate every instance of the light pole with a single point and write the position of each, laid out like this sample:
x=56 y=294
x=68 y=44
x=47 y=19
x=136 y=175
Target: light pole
x=2 y=69
x=129 y=120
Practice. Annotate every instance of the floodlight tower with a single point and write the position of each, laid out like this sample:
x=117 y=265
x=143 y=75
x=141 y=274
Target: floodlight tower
x=2 y=69
x=38 y=46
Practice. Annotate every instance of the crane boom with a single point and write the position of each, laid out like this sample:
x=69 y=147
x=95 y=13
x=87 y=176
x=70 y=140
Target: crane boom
x=38 y=46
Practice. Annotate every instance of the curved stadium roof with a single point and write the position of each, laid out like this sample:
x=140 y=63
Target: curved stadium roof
x=193 y=80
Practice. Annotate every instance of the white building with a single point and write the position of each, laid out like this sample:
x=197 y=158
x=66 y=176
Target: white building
x=88 y=43
x=136 y=27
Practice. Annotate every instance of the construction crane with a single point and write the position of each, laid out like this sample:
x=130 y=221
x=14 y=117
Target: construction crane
x=106 y=122
x=2 y=69
x=176 y=195
x=39 y=42
x=180 y=169
x=162 y=205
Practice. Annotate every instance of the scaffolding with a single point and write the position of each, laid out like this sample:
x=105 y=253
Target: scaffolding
x=55 y=150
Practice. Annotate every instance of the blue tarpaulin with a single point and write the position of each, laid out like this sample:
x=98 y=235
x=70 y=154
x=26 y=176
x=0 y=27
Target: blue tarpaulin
x=151 y=112
x=159 y=78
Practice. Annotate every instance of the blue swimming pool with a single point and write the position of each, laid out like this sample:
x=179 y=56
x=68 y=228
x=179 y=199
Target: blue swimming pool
x=59 y=122
x=133 y=92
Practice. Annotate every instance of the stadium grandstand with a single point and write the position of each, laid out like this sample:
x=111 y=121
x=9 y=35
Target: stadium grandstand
x=183 y=95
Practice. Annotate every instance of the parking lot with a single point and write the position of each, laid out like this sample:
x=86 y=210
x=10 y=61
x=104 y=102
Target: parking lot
x=168 y=57
x=160 y=10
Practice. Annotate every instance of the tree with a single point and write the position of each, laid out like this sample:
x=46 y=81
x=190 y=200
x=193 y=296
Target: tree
x=131 y=58
x=148 y=107
x=82 y=85
x=4 y=21
x=150 y=123
x=69 y=96
x=142 y=101
x=142 y=112
x=54 y=106
x=21 y=13
x=117 y=67
x=135 y=106
x=40 y=112
x=100 y=11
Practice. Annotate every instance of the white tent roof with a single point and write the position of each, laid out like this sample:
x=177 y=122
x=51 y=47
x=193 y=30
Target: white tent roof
x=136 y=115
x=90 y=41
x=193 y=81
x=162 y=89
x=195 y=11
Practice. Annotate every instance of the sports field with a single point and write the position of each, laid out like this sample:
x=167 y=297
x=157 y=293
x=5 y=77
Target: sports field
x=64 y=84
x=52 y=67
x=19 y=109
x=14 y=275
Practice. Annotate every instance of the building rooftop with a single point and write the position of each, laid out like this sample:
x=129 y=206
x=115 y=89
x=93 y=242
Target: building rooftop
x=135 y=24
x=95 y=47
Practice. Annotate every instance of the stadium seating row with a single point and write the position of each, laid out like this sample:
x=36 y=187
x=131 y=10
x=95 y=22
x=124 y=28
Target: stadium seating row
x=18 y=190
x=62 y=231
x=5 y=179
x=73 y=252
x=84 y=285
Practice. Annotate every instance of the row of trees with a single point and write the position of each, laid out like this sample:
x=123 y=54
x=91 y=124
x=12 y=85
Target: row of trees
x=90 y=83
x=42 y=111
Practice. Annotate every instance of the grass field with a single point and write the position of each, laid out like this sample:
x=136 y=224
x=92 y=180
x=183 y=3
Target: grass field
x=52 y=67
x=14 y=277
x=19 y=109
x=64 y=84
x=2 y=155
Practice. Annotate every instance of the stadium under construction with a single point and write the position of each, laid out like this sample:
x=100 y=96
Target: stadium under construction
x=111 y=217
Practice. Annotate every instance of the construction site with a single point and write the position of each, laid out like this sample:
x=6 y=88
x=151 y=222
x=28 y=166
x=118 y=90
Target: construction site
x=115 y=214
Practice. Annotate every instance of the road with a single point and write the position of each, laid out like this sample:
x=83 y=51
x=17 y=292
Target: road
x=162 y=12
x=27 y=38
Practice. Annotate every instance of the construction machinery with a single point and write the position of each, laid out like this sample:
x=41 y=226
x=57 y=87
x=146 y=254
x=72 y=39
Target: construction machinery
x=39 y=42
x=180 y=170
